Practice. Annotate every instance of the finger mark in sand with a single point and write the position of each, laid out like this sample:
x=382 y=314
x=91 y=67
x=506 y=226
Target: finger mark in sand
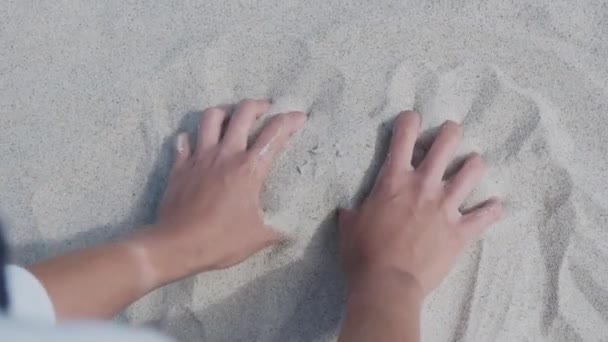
x=573 y=298
x=487 y=91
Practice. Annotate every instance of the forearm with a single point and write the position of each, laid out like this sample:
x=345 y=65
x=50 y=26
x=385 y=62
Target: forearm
x=99 y=282
x=382 y=306
x=209 y=219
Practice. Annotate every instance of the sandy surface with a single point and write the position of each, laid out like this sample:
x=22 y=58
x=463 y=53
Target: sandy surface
x=91 y=94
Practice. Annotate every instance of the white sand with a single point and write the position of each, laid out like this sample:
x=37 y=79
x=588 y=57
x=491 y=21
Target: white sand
x=92 y=93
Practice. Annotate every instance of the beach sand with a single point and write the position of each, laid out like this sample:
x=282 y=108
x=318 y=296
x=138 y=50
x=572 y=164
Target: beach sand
x=93 y=93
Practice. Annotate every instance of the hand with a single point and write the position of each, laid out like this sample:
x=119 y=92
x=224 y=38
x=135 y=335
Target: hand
x=411 y=223
x=210 y=215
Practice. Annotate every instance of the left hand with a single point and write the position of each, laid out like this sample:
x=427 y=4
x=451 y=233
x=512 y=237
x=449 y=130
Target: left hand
x=411 y=224
x=210 y=217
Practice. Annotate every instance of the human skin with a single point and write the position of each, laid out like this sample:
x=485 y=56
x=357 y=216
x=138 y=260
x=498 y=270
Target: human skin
x=396 y=247
x=210 y=218
x=406 y=236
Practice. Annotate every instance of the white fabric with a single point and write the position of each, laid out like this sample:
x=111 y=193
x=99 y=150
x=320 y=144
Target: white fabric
x=22 y=331
x=31 y=317
x=28 y=300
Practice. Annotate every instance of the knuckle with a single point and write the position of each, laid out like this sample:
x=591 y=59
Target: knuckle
x=241 y=165
x=443 y=204
x=248 y=159
x=247 y=163
x=425 y=185
x=387 y=184
x=221 y=155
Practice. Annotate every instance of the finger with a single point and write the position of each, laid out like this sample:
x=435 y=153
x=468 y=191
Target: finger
x=465 y=181
x=401 y=149
x=344 y=217
x=257 y=239
x=209 y=130
x=478 y=220
x=245 y=114
x=439 y=156
x=270 y=236
x=273 y=137
x=182 y=149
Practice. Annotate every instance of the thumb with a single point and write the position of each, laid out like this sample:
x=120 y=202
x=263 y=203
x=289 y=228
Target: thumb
x=271 y=236
x=475 y=222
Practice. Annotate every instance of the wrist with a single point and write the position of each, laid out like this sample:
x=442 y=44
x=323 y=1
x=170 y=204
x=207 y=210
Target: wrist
x=157 y=256
x=387 y=280
x=135 y=251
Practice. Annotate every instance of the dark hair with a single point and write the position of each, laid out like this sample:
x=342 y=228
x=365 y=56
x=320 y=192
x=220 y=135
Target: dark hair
x=3 y=260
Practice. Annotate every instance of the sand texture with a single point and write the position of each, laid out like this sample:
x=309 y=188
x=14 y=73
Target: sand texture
x=93 y=92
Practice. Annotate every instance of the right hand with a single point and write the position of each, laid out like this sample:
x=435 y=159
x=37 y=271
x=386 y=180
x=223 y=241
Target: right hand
x=211 y=217
x=411 y=223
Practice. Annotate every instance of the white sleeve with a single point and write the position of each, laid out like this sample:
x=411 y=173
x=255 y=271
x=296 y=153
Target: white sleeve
x=24 y=331
x=27 y=298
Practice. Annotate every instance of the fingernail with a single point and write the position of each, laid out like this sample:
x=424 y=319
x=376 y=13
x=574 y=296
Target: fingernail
x=180 y=143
